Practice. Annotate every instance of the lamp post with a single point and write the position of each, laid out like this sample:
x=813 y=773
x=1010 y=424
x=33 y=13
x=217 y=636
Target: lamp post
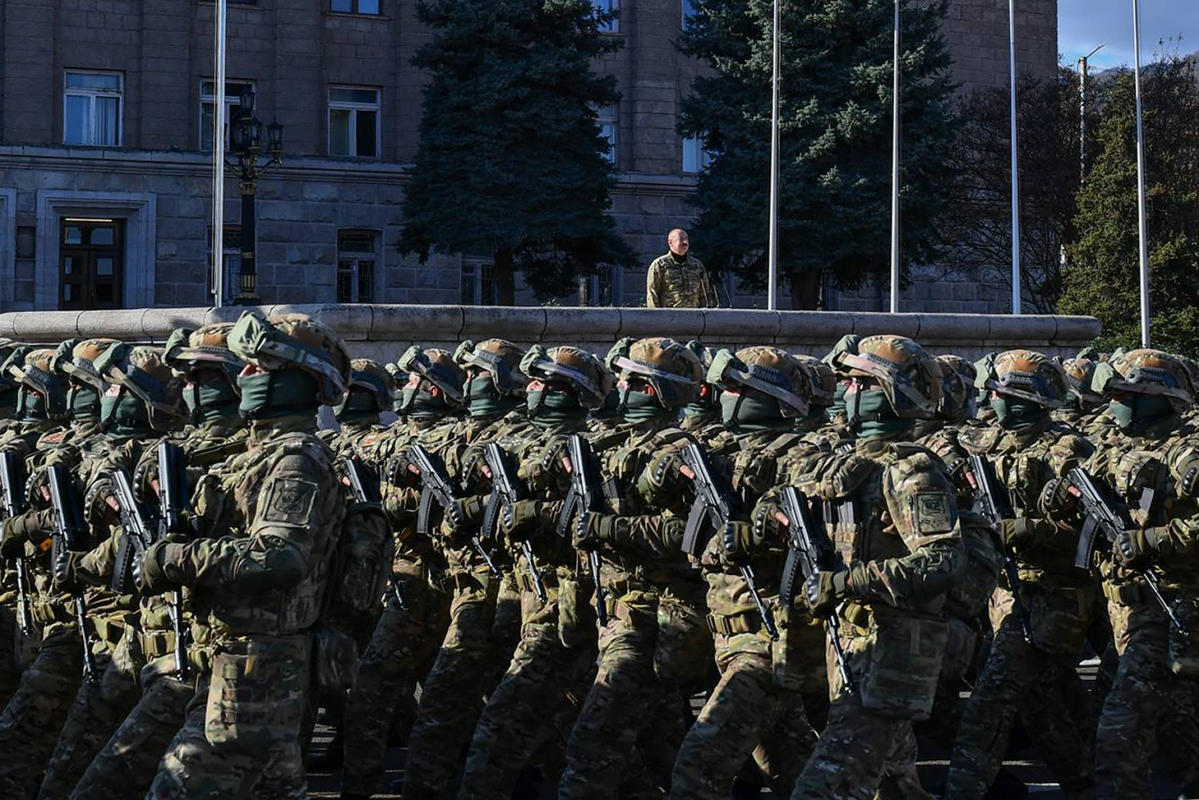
x=246 y=147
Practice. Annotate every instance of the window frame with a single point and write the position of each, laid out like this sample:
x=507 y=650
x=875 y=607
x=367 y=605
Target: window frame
x=356 y=9
x=354 y=107
x=612 y=6
x=609 y=117
x=475 y=268
x=92 y=94
x=703 y=156
x=357 y=257
x=231 y=247
x=232 y=101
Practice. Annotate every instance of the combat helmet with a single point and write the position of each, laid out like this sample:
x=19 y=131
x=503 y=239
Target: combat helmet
x=1146 y=371
x=369 y=378
x=821 y=378
x=1025 y=374
x=144 y=372
x=436 y=367
x=32 y=372
x=296 y=341
x=957 y=387
x=581 y=370
x=7 y=346
x=1079 y=374
x=499 y=358
x=77 y=360
x=846 y=344
x=673 y=371
x=909 y=377
x=768 y=370
x=398 y=379
x=206 y=346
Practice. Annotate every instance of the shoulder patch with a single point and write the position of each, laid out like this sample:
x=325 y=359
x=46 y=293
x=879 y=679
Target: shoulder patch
x=289 y=500
x=933 y=513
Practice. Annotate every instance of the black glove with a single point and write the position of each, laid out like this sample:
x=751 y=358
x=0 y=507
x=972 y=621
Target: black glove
x=825 y=590
x=591 y=529
x=739 y=538
x=150 y=574
x=64 y=571
x=520 y=519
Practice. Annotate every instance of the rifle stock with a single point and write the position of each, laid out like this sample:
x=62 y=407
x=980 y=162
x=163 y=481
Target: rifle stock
x=992 y=501
x=12 y=483
x=506 y=489
x=585 y=495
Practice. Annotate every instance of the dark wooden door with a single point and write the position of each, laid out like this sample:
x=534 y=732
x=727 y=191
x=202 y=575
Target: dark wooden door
x=91 y=263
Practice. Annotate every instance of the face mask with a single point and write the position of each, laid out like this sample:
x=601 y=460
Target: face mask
x=419 y=403
x=871 y=415
x=359 y=405
x=747 y=412
x=1016 y=413
x=1139 y=409
x=267 y=395
x=84 y=402
x=33 y=405
x=550 y=407
x=638 y=406
x=211 y=400
x=123 y=414
x=484 y=400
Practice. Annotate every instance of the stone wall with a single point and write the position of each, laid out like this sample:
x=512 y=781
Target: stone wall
x=383 y=331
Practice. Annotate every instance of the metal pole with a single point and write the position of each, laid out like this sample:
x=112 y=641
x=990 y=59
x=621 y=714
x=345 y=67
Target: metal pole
x=248 y=294
x=1142 y=224
x=773 y=244
x=1083 y=63
x=1015 y=160
x=218 y=159
x=895 y=169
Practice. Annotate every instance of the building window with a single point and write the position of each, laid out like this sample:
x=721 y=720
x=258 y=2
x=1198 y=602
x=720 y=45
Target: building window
x=696 y=157
x=231 y=249
x=233 y=91
x=688 y=13
x=606 y=118
x=601 y=289
x=91 y=108
x=609 y=7
x=353 y=122
x=354 y=6
x=478 y=282
x=357 y=253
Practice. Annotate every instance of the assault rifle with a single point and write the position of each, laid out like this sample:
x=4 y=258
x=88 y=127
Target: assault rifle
x=70 y=533
x=136 y=539
x=174 y=497
x=364 y=488
x=12 y=483
x=506 y=489
x=993 y=502
x=711 y=511
x=809 y=551
x=436 y=487
x=1110 y=518
x=585 y=495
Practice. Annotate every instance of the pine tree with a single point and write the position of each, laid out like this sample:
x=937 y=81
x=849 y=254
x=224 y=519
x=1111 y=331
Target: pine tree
x=511 y=162
x=1104 y=277
x=835 y=123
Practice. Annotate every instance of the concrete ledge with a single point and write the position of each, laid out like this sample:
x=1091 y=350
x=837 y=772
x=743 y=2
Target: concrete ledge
x=382 y=331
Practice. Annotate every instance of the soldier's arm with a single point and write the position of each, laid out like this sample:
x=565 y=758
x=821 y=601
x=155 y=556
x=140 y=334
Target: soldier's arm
x=647 y=534
x=297 y=501
x=653 y=288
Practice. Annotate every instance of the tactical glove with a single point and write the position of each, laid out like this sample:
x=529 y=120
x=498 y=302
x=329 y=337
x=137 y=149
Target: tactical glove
x=739 y=538
x=65 y=578
x=151 y=575
x=1016 y=532
x=1058 y=503
x=461 y=517
x=591 y=529
x=521 y=519
x=1135 y=548
x=825 y=590
x=12 y=541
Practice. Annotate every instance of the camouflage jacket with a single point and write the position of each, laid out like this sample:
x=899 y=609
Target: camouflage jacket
x=670 y=284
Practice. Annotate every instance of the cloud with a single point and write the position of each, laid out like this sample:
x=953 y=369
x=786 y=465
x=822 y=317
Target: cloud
x=1084 y=24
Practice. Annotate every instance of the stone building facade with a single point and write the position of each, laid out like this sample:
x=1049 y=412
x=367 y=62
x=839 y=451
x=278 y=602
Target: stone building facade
x=105 y=162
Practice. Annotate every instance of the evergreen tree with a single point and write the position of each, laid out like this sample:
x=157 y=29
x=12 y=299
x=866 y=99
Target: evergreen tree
x=835 y=123
x=1103 y=279
x=511 y=162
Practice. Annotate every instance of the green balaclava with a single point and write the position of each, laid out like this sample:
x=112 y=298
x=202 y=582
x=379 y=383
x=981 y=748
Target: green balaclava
x=1017 y=413
x=122 y=413
x=360 y=406
x=1137 y=410
x=747 y=411
x=419 y=403
x=551 y=405
x=210 y=396
x=83 y=402
x=870 y=413
x=483 y=398
x=31 y=405
x=639 y=406
x=708 y=401
x=277 y=393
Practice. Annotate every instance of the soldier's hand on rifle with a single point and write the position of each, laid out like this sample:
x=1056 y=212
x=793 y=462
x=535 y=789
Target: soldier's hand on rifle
x=591 y=529
x=460 y=517
x=32 y=526
x=739 y=538
x=520 y=519
x=151 y=574
x=12 y=540
x=65 y=578
x=1135 y=548
x=662 y=480
x=825 y=590
x=1059 y=502
x=1015 y=532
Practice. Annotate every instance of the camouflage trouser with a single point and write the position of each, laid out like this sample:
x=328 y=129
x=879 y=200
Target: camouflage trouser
x=30 y=723
x=535 y=702
x=399 y=655
x=242 y=732
x=603 y=740
x=10 y=653
x=748 y=713
x=97 y=711
x=854 y=749
x=1045 y=689
x=1146 y=706
x=124 y=768
x=484 y=628
x=941 y=727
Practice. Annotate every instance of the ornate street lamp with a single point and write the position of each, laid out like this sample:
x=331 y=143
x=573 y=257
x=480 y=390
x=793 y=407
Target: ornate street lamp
x=246 y=145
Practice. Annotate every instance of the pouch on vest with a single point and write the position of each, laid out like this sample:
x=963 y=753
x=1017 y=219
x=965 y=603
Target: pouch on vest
x=255 y=697
x=902 y=665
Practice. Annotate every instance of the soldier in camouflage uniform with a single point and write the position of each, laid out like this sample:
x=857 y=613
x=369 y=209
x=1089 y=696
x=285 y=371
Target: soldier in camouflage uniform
x=553 y=662
x=125 y=765
x=485 y=611
x=641 y=562
x=406 y=639
x=756 y=709
x=678 y=279
x=702 y=416
x=1152 y=448
x=892 y=514
x=1030 y=672
x=262 y=578
x=143 y=402
x=1082 y=404
x=369 y=395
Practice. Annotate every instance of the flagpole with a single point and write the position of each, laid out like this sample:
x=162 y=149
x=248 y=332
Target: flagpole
x=218 y=157
x=773 y=243
x=1015 y=159
x=1142 y=223
x=895 y=168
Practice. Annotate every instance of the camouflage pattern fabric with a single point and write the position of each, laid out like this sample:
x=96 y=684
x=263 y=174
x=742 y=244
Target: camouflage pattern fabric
x=670 y=284
x=854 y=748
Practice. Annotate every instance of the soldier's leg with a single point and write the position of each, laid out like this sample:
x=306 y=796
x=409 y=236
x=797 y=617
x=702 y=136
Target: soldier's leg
x=124 y=768
x=192 y=768
x=387 y=674
x=33 y=717
x=611 y=719
x=97 y=712
x=849 y=759
x=10 y=649
x=1057 y=714
x=901 y=780
x=452 y=695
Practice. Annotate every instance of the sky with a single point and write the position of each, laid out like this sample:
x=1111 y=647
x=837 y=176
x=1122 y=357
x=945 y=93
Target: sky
x=1085 y=24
